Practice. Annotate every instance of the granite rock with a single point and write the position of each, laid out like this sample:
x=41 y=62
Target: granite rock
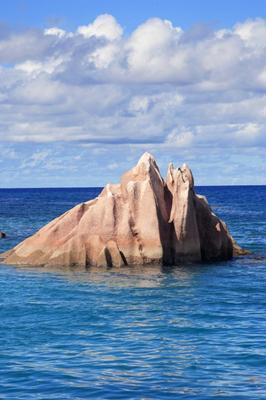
x=143 y=220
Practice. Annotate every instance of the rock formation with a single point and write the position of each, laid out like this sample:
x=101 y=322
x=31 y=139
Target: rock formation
x=142 y=220
x=2 y=235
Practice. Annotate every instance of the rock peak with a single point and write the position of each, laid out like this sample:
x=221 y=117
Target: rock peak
x=148 y=161
x=146 y=158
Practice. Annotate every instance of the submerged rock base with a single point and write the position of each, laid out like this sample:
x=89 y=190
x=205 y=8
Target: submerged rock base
x=142 y=220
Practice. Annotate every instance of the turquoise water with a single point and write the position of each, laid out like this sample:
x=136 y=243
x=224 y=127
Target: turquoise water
x=186 y=332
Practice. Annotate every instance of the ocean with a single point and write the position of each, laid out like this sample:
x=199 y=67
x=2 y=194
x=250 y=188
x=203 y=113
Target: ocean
x=182 y=332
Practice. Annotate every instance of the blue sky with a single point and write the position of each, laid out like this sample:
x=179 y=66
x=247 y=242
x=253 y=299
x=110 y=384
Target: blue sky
x=87 y=86
x=70 y=14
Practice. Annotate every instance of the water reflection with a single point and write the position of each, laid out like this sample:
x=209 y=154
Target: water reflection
x=142 y=276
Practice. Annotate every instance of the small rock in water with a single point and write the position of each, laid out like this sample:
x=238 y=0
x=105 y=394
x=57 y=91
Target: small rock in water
x=2 y=235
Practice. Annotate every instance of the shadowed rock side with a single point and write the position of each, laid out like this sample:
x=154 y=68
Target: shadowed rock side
x=142 y=220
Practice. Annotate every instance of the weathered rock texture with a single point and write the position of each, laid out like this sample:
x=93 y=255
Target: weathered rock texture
x=142 y=220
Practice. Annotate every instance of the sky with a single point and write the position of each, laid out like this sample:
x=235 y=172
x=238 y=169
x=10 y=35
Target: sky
x=87 y=86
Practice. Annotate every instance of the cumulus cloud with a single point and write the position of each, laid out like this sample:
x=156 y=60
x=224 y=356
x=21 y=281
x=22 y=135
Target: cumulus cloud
x=159 y=88
x=105 y=26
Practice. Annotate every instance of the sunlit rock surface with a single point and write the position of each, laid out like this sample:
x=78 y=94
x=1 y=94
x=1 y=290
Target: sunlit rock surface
x=142 y=220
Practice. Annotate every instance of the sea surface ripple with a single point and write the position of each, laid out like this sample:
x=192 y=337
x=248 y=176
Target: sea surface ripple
x=182 y=332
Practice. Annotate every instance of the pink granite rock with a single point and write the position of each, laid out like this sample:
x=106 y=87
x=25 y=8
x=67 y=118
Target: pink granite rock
x=142 y=220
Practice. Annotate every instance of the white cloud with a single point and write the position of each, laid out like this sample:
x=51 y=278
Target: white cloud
x=159 y=88
x=56 y=32
x=139 y=104
x=34 y=68
x=249 y=133
x=105 y=26
x=180 y=138
x=38 y=91
x=103 y=56
x=153 y=52
x=252 y=32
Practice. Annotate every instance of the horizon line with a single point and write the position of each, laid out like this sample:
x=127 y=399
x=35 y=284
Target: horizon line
x=102 y=187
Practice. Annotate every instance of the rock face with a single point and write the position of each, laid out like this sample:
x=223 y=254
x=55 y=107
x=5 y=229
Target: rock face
x=142 y=220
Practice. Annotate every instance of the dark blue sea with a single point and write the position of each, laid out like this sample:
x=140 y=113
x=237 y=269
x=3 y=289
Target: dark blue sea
x=186 y=332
